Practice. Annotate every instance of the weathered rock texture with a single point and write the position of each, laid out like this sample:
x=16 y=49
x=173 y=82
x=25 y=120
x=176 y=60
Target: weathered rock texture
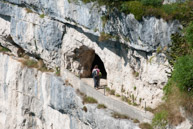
x=66 y=35
x=31 y=99
x=173 y=1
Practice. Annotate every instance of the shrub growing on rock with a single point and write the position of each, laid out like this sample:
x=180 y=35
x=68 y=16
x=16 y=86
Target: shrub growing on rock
x=183 y=73
x=155 y=3
x=134 y=7
x=160 y=120
x=189 y=34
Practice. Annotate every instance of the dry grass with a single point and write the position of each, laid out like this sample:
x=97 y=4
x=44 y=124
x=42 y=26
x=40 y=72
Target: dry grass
x=149 y=109
x=101 y=106
x=112 y=92
x=117 y=115
x=104 y=37
x=85 y=109
x=28 y=10
x=31 y=63
x=172 y=105
x=118 y=95
x=80 y=93
x=145 y=126
x=87 y=99
x=125 y=99
x=136 y=121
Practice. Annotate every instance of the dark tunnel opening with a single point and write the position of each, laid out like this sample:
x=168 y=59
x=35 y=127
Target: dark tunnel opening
x=98 y=61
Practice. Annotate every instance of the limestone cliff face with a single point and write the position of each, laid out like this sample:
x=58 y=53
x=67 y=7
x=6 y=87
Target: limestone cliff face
x=30 y=99
x=66 y=34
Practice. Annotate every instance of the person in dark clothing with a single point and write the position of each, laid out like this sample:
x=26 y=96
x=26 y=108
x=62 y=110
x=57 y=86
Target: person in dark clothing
x=96 y=77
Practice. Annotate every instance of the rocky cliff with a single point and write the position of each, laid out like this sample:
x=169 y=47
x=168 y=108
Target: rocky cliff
x=31 y=99
x=67 y=34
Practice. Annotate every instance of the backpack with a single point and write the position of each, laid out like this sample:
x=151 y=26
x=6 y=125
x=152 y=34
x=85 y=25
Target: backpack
x=95 y=73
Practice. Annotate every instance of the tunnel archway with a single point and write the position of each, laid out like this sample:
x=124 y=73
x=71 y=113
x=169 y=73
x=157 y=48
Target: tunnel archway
x=97 y=61
x=82 y=60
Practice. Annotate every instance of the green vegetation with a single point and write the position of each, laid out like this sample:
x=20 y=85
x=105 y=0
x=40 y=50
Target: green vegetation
x=189 y=34
x=179 y=89
x=155 y=3
x=42 y=15
x=126 y=99
x=104 y=19
x=117 y=115
x=134 y=87
x=112 y=92
x=159 y=49
x=58 y=71
x=80 y=93
x=135 y=73
x=160 y=120
x=101 y=106
x=183 y=73
x=30 y=63
x=117 y=95
x=107 y=89
x=149 y=109
x=136 y=121
x=145 y=126
x=104 y=36
x=150 y=59
x=28 y=10
x=84 y=108
x=4 y=49
x=140 y=8
x=179 y=48
x=133 y=98
x=87 y=99
x=122 y=89
x=134 y=7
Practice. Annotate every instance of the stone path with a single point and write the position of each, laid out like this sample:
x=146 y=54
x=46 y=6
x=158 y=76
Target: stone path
x=103 y=82
x=112 y=102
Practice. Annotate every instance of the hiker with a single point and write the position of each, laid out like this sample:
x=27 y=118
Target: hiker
x=96 y=76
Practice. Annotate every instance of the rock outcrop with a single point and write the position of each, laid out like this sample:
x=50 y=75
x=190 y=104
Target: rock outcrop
x=69 y=34
x=32 y=99
x=66 y=34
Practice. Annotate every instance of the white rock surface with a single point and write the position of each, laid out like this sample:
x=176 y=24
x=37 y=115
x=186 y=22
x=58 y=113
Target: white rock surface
x=120 y=65
x=60 y=43
x=31 y=99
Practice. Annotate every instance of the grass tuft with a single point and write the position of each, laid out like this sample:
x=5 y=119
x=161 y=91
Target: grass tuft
x=42 y=15
x=136 y=121
x=145 y=126
x=28 y=10
x=117 y=115
x=112 y=92
x=57 y=71
x=4 y=49
x=87 y=99
x=85 y=109
x=118 y=95
x=101 y=106
x=104 y=36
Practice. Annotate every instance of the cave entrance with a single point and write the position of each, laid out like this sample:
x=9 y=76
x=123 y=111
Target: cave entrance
x=97 y=61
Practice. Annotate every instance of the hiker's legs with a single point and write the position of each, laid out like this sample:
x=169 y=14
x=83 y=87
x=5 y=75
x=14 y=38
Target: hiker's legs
x=98 y=82
x=95 y=82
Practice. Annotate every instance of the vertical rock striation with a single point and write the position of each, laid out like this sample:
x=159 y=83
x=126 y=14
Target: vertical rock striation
x=66 y=34
x=32 y=99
